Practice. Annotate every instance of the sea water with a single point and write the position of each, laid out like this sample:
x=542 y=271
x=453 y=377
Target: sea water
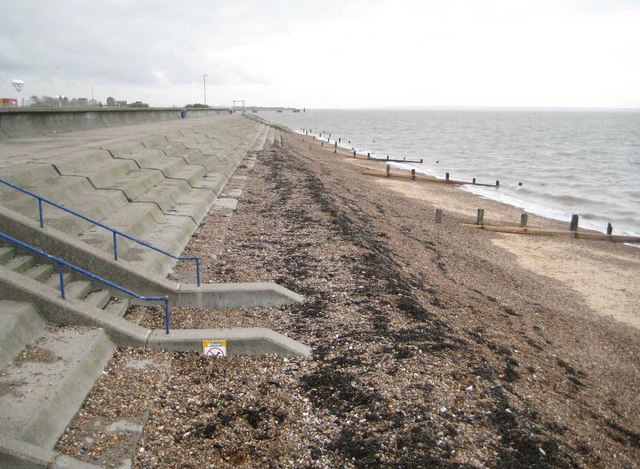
x=553 y=163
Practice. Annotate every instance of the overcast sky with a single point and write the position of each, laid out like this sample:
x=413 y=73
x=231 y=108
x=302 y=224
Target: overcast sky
x=326 y=54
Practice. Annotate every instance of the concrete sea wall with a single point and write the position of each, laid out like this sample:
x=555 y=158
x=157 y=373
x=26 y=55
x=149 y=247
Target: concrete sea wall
x=20 y=122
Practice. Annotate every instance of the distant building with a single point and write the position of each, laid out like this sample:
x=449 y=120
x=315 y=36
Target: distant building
x=8 y=102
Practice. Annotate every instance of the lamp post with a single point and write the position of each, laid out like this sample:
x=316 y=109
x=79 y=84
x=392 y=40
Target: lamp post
x=204 y=80
x=18 y=84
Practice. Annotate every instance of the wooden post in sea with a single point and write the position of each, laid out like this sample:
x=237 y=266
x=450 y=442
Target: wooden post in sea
x=524 y=218
x=497 y=184
x=446 y=176
x=335 y=145
x=609 y=229
x=388 y=170
x=480 y=217
x=574 y=222
x=413 y=174
x=474 y=181
x=368 y=155
x=354 y=153
x=439 y=214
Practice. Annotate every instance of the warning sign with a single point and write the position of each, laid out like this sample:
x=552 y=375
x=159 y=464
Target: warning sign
x=214 y=348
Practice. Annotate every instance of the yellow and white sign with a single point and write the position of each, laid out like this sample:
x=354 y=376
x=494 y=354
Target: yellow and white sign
x=214 y=348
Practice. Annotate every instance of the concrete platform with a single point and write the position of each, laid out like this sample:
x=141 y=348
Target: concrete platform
x=49 y=383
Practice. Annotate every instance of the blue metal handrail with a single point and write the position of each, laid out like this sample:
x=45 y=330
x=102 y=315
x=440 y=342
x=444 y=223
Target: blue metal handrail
x=95 y=222
x=62 y=262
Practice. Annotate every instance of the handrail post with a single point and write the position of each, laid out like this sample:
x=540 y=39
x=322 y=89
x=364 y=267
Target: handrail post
x=166 y=315
x=115 y=246
x=61 y=273
x=198 y=269
x=40 y=212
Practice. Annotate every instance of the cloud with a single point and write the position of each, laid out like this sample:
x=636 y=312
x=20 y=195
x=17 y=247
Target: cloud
x=328 y=53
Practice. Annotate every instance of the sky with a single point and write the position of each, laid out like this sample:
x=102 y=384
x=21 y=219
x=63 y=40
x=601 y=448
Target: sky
x=326 y=54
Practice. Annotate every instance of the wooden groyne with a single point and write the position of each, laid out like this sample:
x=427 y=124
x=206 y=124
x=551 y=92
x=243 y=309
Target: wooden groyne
x=566 y=233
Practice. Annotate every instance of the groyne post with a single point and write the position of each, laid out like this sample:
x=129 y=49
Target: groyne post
x=480 y=217
x=474 y=181
x=413 y=174
x=497 y=184
x=388 y=170
x=446 y=176
x=574 y=222
x=609 y=229
x=524 y=218
x=439 y=214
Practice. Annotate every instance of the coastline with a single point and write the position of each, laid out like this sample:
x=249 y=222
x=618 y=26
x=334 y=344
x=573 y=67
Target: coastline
x=432 y=345
x=557 y=193
x=604 y=274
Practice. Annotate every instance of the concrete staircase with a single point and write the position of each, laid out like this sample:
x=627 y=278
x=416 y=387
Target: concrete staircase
x=75 y=285
x=45 y=375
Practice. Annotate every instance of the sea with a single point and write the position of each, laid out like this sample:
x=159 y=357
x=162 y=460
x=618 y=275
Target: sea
x=553 y=163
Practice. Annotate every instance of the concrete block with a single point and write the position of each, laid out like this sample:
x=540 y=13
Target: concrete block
x=242 y=341
x=21 y=323
x=235 y=295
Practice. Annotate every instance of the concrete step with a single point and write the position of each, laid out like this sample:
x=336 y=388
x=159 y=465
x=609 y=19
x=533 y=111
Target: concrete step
x=21 y=324
x=81 y=197
x=48 y=382
x=166 y=194
x=106 y=172
x=98 y=165
x=195 y=204
x=40 y=272
x=56 y=188
x=123 y=149
x=214 y=181
x=19 y=263
x=193 y=174
x=134 y=219
x=176 y=149
x=157 y=159
x=158 y=142
x=132 y=184
x=54 y=280
x=117 y=307
x=6 y=253
x=172 y=235
x=27 y=173
x=99 y=298
x=77 y=289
